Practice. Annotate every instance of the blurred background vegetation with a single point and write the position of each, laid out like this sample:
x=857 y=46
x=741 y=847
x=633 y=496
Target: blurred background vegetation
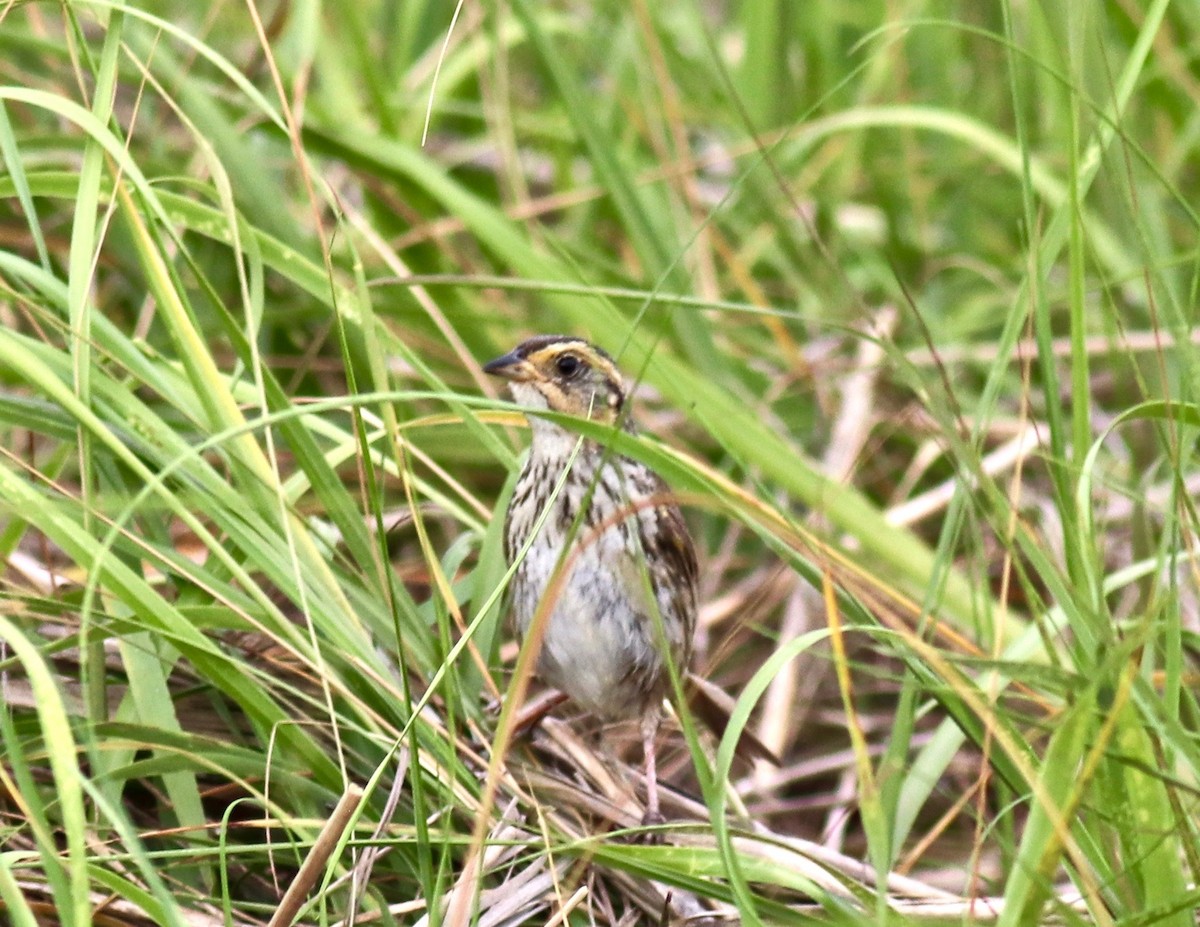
x=908 y=291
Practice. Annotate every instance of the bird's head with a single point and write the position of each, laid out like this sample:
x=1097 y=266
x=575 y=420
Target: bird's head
x=560 y=373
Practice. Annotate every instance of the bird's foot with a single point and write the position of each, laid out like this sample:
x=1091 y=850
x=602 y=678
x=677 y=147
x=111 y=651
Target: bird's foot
x=653 y=835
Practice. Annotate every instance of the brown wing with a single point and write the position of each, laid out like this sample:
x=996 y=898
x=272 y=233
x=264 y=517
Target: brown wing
x=675 y=550
x=670 y=552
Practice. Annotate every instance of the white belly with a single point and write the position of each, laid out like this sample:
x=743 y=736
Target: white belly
x=601 y=635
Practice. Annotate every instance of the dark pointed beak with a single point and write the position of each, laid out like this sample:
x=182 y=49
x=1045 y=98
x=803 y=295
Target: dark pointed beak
x=510 y=366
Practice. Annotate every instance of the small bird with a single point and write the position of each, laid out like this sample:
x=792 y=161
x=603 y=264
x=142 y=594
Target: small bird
x=626 y=607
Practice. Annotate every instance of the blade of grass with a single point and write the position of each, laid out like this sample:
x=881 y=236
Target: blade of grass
x=72 y=903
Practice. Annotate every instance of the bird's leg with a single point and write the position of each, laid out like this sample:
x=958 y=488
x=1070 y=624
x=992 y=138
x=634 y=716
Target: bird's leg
x=649 y=735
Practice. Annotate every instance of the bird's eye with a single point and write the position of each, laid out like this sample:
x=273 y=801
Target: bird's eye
x=567 y=365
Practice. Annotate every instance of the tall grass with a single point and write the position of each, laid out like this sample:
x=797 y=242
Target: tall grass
x=907 y=291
